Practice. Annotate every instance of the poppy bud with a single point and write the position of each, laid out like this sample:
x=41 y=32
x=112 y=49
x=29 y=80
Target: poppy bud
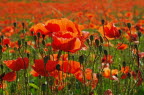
x=46 y=58
x=2 y=75
x=59 y=54
x=99 y=76
x=23 y=31
x=97 y=42
x=43 y=42
x=91 y=37
x=81 y=59
x=32 y=32
x=19 y=43
x=23 y=40
x=101 y=39
x=103 y=21
x=129 y=25
x=87 y=41
x=124 y=64
x=129 y=75
x=43 y=36
x=43 y=87
x=2 y=37
x=139 y=34
x=105 y=52
x=35 y=38
x=26 y=44
x=1 y=66
x=58 y=67
x=28 y=55
x=23 y=25
x=135 y=46
x=0 y=48
x=72 y=57
x=100 y=48
x=14 y=24
x=38 y=34
x=120 y=31
x=7 y=45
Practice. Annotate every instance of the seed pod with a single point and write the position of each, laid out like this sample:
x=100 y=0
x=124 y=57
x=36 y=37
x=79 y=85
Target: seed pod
x=58 y=67
x=103 y=21
x=46 y=58
x=81 y=59
x=101 y=39
x=129 y=25
x=19 y=43
x=105 y=52
x=43 y=42
x=35 y=38
x=91 y=37
x=38 y=34
x=14 y=24
x=97 y=42
x=124 y=64
x=100 y=48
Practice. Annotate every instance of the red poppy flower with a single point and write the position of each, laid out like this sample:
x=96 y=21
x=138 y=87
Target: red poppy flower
x=110 y=31
x=34 y=73
x=63 y=24
x=69 y=66
x=122 y=46
x=11 y=76
x=108 y=73
x=44 y=68
x=62 y=57
x=39 y=28
x=18 y=64
x=3 y=85
x=67 y=42
x=58 y=75
x=6 y=41
x=107 y=59
x=90 y=77
x=126 y=71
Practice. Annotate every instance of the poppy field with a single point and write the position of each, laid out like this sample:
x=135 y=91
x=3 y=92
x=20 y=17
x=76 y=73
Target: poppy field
x=71 y=47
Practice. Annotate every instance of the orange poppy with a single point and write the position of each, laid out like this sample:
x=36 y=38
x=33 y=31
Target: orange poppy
x=58 y=85
x=126 y=71
x=6 y=41
x=18 y=64
x=107 y=59
x=108 y=73
x=63 y=57
x=67 y=42
x=63 y=24
x=90 y=77
x=34 y=73
x=39 y=28
x=44 y=68
x=58 y=75
x=3 y=85
x=69 y=66
x=11 y=76
x=122 y=46
x=110 y=31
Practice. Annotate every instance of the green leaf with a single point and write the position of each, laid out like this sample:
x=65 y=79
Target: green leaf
x=33 y=85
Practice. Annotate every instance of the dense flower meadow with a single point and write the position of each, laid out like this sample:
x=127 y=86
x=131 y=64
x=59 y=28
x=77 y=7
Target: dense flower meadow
x=72 y=47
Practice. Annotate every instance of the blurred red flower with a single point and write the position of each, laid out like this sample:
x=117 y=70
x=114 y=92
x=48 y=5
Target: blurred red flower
x=18 y=64
x=44 y=69
x=11 y=76
x=67 y=42
x=110 y=31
